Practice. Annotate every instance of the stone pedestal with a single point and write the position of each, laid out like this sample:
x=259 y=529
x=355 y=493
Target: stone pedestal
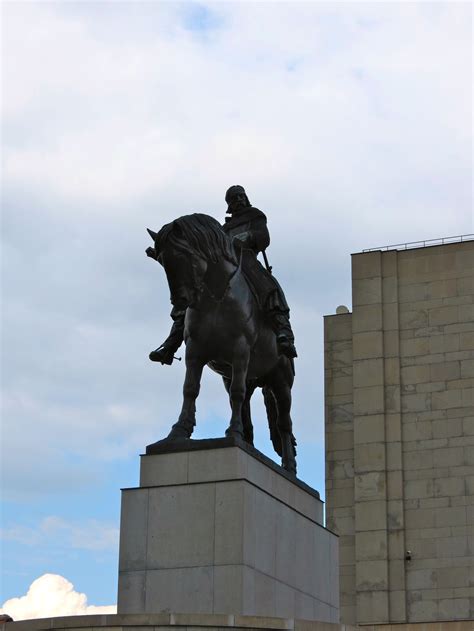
x=217 y=528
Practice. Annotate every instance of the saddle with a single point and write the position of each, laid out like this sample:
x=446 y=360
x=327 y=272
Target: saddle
x=265 y=287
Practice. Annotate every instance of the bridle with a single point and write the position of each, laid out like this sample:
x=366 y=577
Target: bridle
x=203 y=287
x=198 y=284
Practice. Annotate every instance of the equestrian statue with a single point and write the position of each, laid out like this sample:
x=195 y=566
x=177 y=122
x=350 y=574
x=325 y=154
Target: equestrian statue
x=232 y=315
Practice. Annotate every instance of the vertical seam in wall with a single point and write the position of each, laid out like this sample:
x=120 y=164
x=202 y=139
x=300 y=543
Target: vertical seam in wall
x=384 y=414
x=245 y=512
x=401 y=444
x=385 y=434
x=395 y=254
x=384 y=472
x=214 y=549
x=146 y=546
x=353 y=515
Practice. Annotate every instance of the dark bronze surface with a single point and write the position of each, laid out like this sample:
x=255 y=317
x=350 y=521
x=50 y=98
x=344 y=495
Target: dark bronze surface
x=232 y=315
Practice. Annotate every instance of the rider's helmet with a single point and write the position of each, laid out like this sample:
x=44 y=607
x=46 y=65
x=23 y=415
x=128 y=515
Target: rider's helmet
x=236 y=195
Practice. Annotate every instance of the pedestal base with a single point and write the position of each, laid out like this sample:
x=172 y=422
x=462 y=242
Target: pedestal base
x=216 y=527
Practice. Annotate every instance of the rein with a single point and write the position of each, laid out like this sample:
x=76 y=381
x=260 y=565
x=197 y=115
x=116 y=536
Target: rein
x=204 y=286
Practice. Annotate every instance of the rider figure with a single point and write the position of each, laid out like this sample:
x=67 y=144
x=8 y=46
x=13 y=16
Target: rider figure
x=247 y=227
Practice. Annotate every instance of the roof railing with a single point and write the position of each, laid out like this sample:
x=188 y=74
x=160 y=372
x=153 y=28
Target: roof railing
x=423 y=244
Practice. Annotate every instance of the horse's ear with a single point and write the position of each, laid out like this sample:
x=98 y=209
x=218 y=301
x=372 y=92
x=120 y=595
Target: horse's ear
x=152 y=234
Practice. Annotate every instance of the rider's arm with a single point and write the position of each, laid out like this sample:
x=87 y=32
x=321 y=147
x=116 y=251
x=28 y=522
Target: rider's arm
x=259 y=238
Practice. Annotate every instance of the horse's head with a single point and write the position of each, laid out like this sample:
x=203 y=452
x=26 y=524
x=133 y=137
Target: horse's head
x=186 y=248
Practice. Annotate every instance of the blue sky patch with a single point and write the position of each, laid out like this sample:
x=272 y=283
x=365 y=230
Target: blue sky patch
x=199 y=18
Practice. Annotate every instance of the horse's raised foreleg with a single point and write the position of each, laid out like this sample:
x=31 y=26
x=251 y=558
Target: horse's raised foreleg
x=192 y=383
x=237 y=393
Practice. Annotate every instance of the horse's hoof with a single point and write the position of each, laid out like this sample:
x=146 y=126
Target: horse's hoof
x=232 y=433
x=290 y=467
x=154 y=448
x=157 y=447
x=178 y=433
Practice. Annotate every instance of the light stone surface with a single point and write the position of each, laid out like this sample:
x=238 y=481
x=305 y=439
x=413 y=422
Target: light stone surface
x=340 y=433
x=221 y=532
x=214 y=622
x=406 y=481
x=198 y=467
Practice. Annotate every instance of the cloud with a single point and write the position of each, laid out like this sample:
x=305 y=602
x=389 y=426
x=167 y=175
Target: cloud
x=365 y=107
x=347 y=124
x=86 y=535
x=52 y=595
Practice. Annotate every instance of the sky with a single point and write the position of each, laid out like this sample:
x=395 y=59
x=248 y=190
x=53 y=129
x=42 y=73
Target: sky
x=350 y=126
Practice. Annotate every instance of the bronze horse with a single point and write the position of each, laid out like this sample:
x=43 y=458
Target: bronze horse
x=226 y=329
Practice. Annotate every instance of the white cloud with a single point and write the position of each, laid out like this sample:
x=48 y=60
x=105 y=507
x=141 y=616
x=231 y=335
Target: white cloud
x=52 y=595
x=352 y=102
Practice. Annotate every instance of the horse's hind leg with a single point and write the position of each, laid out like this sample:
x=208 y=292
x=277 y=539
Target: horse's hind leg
x=247 y=416
x=285 y=427
x=281 y=388
x=192 y=383
x=247 y=419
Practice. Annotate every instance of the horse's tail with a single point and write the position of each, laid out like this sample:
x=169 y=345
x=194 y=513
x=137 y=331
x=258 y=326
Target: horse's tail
x=272 y=416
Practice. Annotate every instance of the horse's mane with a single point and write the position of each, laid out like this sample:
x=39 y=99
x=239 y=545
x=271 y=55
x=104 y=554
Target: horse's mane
x=199 y=233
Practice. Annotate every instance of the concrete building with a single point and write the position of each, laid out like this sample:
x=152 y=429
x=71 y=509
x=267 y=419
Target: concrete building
x=399 y=376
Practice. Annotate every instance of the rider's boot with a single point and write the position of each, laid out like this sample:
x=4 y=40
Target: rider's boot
x=165 y=353
x=284 y=334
